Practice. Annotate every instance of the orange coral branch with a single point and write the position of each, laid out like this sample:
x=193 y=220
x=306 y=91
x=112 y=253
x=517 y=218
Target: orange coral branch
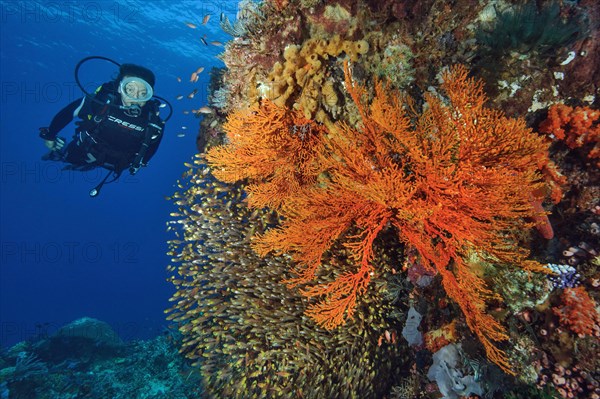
x=273 y=147
x=456 y=180
x=341 y=298
x=542 y=223
x=341 y=295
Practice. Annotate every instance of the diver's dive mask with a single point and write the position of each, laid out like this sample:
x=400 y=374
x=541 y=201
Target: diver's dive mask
x=135 y=90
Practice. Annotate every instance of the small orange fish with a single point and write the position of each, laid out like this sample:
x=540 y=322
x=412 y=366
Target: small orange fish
x=205 y=19
x=194 y=77
x=179 y=97
x=199 y=70
x=205 y=110
x=216 y=43
x=192 y=94
x=178 y=79
x=190 y=25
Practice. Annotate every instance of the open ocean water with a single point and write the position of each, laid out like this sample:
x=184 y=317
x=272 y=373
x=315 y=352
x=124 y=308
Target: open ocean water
x=65 y=255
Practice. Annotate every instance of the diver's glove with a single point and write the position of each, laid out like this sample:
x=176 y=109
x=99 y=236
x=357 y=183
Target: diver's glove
x=53 y=143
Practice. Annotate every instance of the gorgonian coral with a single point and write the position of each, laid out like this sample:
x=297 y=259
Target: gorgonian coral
x=451 y=180
x=276 y=148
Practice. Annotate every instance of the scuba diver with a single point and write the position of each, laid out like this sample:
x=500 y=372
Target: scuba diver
x=120 y=126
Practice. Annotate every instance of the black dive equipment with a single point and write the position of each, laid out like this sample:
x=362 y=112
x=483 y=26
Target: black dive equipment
x=132 y=108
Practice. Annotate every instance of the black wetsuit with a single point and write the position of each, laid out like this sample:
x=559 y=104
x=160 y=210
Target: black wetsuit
x=108 y=136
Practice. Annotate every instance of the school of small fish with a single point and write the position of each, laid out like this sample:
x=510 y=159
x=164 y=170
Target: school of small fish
x=241 y=326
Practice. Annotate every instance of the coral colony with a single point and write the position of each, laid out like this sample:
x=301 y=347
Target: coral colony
x=391 y=200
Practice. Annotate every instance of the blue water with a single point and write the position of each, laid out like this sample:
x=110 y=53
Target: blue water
x=65 y=255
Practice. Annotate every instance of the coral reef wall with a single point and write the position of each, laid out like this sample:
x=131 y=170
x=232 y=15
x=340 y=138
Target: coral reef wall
x=365 y=173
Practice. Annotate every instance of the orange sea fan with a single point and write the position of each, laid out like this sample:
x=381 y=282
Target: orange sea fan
x=452 y=180
x=274 y=148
